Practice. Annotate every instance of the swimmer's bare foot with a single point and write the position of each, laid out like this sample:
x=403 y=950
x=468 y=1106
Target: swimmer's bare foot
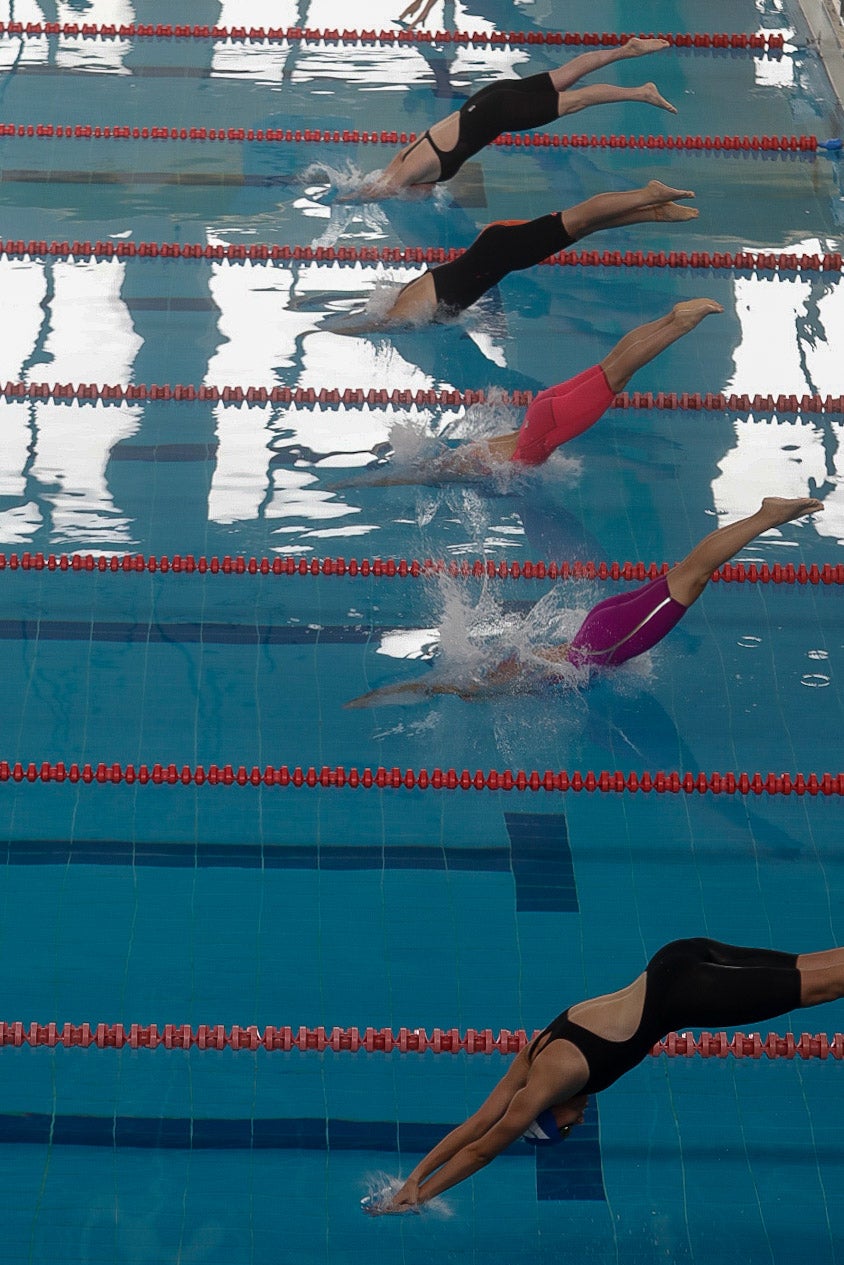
x=781 y=509
x=650 y=94
x=690 y=312
x=638 y=47
x=670 y=211
x=659 y=192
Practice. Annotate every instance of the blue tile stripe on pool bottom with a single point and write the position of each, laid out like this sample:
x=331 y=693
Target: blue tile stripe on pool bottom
x=542 y=863
x=128 y=632
x=573 y=1170
x=303 y=1134
x=193 y=632
x=544 y=880
x=253 y=856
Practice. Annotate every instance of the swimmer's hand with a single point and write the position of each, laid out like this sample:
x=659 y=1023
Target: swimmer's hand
x=384 y=1203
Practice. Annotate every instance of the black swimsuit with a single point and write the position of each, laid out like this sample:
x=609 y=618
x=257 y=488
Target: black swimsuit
x=514 y=105
x=696 y=983
x=501 y=248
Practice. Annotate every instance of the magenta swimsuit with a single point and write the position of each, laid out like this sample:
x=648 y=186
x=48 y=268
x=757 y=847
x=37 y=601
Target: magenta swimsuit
x=621 y=627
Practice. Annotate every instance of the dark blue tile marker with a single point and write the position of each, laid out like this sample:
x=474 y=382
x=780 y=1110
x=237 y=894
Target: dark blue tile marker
x=580 y=1178
x=542 y=863
x=252 y=856
x=182 y=633
x=573 y=1169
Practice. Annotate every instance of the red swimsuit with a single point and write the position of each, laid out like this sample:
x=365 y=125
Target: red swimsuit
x=555 y=416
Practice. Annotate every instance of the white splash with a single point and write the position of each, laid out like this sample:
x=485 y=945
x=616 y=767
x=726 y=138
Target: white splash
x=381 y=1187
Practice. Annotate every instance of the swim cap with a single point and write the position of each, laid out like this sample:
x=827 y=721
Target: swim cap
x=544 y=1131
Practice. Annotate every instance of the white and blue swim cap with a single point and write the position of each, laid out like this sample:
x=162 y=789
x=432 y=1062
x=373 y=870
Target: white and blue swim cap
x=544 y=1131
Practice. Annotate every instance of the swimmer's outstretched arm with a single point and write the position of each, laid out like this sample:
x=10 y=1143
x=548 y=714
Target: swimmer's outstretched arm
x=525 y=1091
x=479 y=1123
x=492 y=682
x=470 y=463
x=410 y=691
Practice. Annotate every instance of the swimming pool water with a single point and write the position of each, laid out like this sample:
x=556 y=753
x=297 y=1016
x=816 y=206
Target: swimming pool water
x=199 y=904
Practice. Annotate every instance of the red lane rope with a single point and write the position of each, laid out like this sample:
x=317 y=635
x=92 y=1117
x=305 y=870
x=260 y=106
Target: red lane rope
x=379 y=397
x=352 y=136
x=390 y=568
x=261 y=252
x=327 y=35
x=605 y=782
x=174 y=1036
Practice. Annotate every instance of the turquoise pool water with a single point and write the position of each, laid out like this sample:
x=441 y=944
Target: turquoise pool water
x=199 y=904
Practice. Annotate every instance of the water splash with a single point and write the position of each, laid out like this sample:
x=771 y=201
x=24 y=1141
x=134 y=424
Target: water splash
x=344 y=178
x=381 y=1187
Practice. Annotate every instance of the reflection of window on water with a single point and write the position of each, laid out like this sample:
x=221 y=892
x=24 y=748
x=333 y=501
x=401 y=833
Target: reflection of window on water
x=58 y=483
x=70 y=53
x=265 y=457
x=792 y=330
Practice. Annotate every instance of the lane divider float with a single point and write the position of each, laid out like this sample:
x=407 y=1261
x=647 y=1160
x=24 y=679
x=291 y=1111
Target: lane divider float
x=337 y=777
x=380 y=397
x=392 y=568
x=172 y=1036
x=353 y=136
x=784 y=262
x=771 y=41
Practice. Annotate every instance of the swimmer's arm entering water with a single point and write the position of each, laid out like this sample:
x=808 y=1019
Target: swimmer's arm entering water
x=470 y=463
x=487 y=1115
x=411 y=691
x=493 y=679
x=381 y=185
x=526 y=1090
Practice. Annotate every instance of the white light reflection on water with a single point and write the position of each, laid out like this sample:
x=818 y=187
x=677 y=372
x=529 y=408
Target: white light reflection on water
x=363 y=66
x=98 y=56
x=264 y=330
x=775 y=72
x=410 y=643
x=24 y=287
x=792 y=331
x=102 y=348
x=64 y=449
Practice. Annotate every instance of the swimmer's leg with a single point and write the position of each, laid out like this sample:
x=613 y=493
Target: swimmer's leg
x=643 y=344
x=655 y=201
x=821 y=976
x=690 y=577
x=564 y=76
x=409 y=14
x=416 y=302
x=577 y=99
